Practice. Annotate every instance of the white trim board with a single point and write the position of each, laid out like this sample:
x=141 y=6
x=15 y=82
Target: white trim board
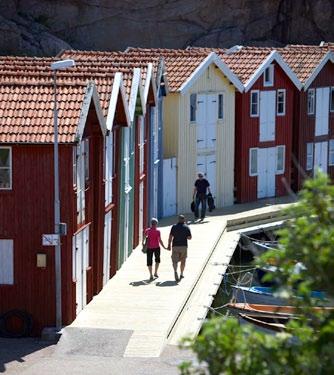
x=90 y=94
x=274 y=55
x=117 y=88
x=212 y=58
x=328 y=57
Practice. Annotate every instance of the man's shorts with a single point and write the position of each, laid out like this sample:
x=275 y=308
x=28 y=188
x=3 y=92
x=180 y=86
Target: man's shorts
x=179 y=253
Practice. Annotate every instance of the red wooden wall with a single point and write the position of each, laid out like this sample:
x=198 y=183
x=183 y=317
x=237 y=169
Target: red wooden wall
x=247 y=136
x=305 y=127
x=27 y=212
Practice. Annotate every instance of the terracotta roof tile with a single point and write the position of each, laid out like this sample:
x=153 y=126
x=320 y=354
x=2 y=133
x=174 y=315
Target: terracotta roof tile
x=180 y=64
x=303 y=59
x=117 y=60
x=26 y=100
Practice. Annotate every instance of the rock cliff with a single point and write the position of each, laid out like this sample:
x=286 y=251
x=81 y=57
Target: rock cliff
x=44 y=27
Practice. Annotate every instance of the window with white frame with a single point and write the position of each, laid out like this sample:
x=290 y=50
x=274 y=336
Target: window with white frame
x=309 y=156
x=254 y=103
x=331 y=152
x=310 y=101
x=281 y=93
x=253 y=161
x=5 y=168
x=220 y=106
x=331 y=100
x=6 y=262
x=193 y=98
x=280 y=159
x=268 y=76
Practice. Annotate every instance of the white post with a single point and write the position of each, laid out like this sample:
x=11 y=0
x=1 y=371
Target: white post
x=63 y=64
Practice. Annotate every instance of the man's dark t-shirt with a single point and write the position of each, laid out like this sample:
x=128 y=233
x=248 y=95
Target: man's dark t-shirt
x=201 y=184
x=180 y=232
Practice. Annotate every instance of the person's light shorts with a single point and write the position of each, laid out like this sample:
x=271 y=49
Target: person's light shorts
x=179 y=253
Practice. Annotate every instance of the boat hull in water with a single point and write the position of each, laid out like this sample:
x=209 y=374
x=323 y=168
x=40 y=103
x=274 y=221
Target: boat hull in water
x=264 y=295
x=256 y=295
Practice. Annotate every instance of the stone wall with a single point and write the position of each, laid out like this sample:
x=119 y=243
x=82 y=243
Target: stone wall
x=44 y=27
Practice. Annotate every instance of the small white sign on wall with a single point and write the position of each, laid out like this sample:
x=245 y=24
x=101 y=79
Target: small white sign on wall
x=50 y=239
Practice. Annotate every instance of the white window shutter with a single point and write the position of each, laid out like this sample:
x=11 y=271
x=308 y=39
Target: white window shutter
x=6 y=262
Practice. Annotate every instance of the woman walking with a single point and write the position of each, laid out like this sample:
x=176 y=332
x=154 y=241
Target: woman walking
x=153 y=240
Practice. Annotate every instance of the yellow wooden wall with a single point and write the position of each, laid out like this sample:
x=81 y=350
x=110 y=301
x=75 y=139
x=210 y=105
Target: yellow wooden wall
x=180 y=139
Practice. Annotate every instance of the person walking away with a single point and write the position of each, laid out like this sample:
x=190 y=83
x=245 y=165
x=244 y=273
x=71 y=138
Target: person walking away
x=154 y=241
x=199 y=195
x=179 y=235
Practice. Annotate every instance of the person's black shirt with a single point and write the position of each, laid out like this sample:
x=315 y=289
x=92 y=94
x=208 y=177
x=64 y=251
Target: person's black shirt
x=180 y=232
x=201 y=184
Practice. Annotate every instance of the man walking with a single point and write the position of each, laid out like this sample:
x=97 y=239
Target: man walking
x=199 y=195
x=180 y=234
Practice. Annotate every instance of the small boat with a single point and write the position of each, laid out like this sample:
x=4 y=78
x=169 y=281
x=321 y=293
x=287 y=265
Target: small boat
x=274 y=310
x=263 y=295
x=264 y=323
x=257 y=247
x=256 y=309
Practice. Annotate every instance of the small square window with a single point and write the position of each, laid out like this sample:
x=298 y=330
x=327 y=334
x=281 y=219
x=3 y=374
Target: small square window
x=5 y=168
x=281 y=102
x=309 y=156
x=280 y=159
x=310 y=101
x=331 y=152
x=253 y=161
x=193 y=98
x=268 y=76
x=220 y=106
x=331 y=100
x=254 y=103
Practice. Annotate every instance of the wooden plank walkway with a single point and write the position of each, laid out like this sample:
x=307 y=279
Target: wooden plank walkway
x=150 y=309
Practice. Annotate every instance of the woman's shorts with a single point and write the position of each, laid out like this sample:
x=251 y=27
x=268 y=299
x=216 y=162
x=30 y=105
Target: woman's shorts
x=179 y=253
x=150 y=253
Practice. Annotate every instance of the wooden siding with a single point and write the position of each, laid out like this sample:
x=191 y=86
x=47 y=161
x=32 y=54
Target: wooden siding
x=171 y=118
x=305 y=126
x=27 y=212
x=247 y=136
x=180 y=139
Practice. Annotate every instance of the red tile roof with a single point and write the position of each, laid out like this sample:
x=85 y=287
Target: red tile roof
x=180 y=64
x=122 y=60
x=26 y=101
x=243 y=61
x=303 y=59
x=26 y=83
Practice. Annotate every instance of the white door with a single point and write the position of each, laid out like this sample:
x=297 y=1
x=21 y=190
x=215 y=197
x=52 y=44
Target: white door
x=80 y=182
x=267 y=115
x=211 y=173
x=211 y=120
x=107 y=247
x=201 y=121
x=322 y=111
x=169 y=187
x=321 y=156
x=141 y=210
x=80 y=264
x=127 y=189
x=108 y=168
x=266 y=172
x=207 y=165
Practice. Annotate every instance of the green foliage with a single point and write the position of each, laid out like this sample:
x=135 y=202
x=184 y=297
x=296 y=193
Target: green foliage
x=304 y=263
